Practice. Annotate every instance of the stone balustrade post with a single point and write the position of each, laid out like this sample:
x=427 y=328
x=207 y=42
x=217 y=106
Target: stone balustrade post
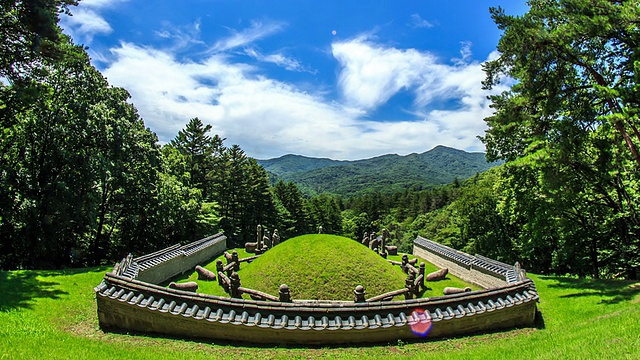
x=236 y=259
x=359 y=294
x=284 y=293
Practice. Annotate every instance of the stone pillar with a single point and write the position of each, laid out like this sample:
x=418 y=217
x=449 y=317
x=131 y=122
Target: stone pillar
x=219 y=269
x=234 y=289
x=236 y=259
x=409 y=284
x=405 y=262
x=422 y=272
x=284 y=294
x=359 y=294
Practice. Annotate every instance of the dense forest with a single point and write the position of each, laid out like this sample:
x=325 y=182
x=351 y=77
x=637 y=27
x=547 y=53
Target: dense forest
x=84 y=182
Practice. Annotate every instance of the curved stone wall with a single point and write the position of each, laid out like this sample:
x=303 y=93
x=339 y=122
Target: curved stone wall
x=126 y=302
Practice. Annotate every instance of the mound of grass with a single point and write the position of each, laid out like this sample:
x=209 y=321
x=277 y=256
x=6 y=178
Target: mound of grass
x=321 y=266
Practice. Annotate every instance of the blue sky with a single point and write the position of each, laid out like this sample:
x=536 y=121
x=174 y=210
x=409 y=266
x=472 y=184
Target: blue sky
x=337 y=79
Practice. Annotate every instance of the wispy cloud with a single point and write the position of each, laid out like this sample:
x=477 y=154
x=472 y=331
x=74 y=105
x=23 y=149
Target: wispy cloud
x=278 y=59
x=87 y=20
x=180 y=37
x=418 y=22
x=256 y=31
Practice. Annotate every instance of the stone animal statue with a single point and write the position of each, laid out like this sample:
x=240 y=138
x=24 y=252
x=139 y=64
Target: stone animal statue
x=392 y=249
x=204 y=274
x=438 y=275
x=250 y=247
x=186 y=286
x=455 y=290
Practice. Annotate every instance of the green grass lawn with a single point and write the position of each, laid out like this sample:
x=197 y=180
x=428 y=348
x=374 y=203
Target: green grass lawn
x=52 y=315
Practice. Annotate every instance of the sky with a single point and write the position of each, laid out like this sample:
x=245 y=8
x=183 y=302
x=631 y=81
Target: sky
x=339 y=79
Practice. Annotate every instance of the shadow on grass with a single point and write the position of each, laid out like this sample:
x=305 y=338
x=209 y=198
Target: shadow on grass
x=20 y=288
x=613 y=291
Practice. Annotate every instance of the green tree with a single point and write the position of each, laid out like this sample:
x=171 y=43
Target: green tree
x=572 y=120
x=291 y=199
x=202 y=151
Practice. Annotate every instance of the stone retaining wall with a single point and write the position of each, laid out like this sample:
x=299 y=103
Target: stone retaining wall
x=479 y=270
x=162 y=265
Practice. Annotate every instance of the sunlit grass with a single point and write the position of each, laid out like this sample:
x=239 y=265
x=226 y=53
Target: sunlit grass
x=52 y=315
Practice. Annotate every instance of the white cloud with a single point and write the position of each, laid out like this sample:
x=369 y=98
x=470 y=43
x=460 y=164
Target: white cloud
x=418 y=22
x=86 y=20
x=269 y=118
x=255 y=32
x=278 y=59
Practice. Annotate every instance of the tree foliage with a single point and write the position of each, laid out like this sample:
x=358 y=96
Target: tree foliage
x=568 y=129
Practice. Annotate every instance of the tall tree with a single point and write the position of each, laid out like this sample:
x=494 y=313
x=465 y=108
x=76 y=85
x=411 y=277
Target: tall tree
x=572 y=119
x=202 y=152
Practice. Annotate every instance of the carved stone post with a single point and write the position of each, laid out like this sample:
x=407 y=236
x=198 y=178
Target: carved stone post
x=236 y=259
x=219 y=269
x=359 y=294
x=234 y=289
x=405 y=262
x=409 y=284
x=422 y=273
x=284 y=294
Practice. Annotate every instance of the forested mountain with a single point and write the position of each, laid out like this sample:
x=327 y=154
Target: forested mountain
x=387 y=173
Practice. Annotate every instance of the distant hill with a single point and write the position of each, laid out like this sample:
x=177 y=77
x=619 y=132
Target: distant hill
x=386 y=173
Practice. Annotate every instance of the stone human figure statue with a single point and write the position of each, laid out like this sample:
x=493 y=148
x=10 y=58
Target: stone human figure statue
x=259 y=237
x=275 y=238
x=266 y=241
x=365 y=239
x=320 y=229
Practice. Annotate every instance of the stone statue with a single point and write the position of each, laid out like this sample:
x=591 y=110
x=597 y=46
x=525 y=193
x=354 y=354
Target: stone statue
x=438 y=275
x=275 y=238
x=365 y=239
x=455 y=290
x=204 y=274
x=186 y=286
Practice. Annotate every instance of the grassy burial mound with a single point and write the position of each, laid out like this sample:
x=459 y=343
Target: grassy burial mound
x=320 y=266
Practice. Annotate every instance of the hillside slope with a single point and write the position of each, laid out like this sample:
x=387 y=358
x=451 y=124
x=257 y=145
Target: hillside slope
x=387 y=173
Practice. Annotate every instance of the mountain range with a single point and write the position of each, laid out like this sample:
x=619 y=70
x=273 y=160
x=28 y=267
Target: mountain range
x=387 y=173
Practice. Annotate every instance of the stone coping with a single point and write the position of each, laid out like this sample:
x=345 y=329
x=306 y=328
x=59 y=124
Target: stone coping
x=330 y=315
